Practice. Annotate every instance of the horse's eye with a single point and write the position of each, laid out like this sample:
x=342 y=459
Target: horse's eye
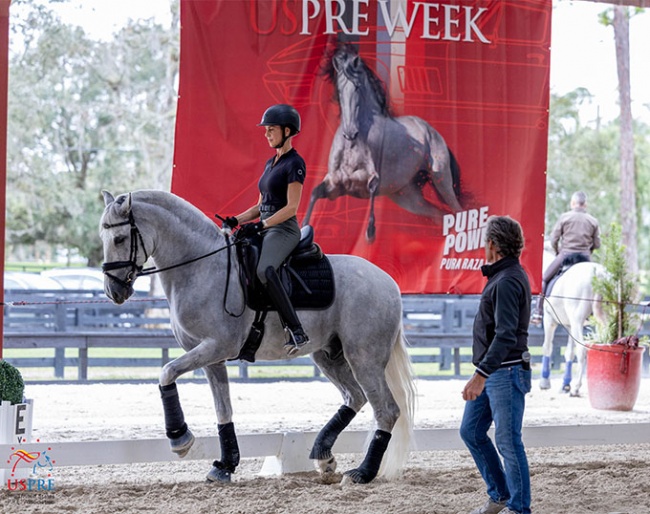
x=119 y=240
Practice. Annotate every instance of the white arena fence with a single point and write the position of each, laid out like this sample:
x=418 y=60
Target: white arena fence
x=288 y=452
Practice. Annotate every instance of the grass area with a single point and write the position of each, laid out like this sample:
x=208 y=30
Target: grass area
x=255 y=371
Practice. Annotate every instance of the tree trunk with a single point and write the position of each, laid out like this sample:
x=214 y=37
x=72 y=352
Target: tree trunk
x=628 y=186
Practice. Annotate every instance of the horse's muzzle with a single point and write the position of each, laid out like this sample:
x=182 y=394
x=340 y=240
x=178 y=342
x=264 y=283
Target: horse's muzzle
x=117 y=293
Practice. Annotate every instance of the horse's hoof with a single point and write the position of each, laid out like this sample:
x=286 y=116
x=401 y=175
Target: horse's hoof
x=221 y=476
x=356 y=476
x=181 y=445
x=566 y=389
x=327 y=465
x=544 y=383
x=574 y=394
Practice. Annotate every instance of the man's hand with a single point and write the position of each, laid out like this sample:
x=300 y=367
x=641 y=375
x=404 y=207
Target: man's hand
x=474 y=387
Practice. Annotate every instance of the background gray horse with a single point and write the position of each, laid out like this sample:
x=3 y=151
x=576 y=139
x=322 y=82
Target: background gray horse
x=570 y=303
x=358 y=342
x=374 y=153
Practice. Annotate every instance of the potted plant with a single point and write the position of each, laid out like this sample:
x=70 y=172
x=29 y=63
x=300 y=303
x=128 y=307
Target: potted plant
x=12 y=387
x=15 y=411
x=614 y=356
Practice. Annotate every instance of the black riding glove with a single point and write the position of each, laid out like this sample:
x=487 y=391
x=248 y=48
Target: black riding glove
x=231 y=221
x=250 y=229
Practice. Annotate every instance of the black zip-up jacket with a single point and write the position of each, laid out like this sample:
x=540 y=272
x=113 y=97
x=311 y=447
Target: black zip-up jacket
x=501 y=324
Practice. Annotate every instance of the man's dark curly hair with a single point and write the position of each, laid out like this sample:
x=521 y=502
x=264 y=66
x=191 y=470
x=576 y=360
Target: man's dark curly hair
x=506 y=234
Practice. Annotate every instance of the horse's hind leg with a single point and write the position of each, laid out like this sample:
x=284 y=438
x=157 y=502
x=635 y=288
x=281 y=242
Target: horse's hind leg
x=336 y=369
x=369 y=371
x=410 y=198
x=319 y=192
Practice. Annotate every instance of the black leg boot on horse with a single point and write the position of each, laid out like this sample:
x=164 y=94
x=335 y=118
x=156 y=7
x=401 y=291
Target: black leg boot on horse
x=287 y=313
x=180 y=437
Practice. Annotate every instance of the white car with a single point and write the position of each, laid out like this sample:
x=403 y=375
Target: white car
x=88 y=279
x=26 y=280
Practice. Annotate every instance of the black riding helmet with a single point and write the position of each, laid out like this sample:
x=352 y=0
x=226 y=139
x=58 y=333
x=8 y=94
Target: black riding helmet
x=283 y=115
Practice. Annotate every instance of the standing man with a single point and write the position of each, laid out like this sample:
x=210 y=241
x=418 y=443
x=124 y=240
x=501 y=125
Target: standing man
x=496 y=391
x=575 y=234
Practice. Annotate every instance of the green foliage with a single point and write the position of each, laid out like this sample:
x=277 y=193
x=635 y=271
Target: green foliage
x=12 y=386
x=617 y=289
x=84 y=115
x=585 y=157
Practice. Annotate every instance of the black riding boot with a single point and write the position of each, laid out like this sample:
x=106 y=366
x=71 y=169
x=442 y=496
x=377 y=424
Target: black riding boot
x=538 y=311
x=287 y=313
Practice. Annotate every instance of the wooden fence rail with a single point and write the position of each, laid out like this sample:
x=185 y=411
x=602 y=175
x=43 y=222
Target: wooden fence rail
x=438 y=328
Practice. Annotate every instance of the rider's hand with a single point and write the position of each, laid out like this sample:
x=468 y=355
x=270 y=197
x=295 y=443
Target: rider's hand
x=231 y=221
x=250 y=229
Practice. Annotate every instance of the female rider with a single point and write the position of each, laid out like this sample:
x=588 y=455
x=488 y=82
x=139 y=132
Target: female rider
x=280 y=190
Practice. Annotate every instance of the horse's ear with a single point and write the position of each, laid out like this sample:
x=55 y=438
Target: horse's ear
x=108 y=197
x=124 y=202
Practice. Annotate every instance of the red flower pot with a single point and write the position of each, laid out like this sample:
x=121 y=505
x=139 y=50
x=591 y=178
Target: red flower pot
x=613 y=375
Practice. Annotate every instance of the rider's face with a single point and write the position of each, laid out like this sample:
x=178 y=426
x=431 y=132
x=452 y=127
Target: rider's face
x=273 y=135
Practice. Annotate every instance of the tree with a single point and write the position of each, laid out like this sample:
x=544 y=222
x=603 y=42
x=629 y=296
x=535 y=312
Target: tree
x=84 y=115
x=628 y=187
x=586 y=157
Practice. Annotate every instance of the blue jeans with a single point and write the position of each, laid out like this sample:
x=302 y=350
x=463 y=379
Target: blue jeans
x=502 y=401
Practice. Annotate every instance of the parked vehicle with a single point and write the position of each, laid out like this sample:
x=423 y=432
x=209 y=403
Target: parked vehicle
x=89 y=279
x=25 y=280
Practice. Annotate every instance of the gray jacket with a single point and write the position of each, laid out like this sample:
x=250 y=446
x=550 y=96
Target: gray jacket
x=577 y=231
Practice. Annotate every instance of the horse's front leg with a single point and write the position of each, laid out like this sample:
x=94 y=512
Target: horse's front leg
x=180 y=436
x=373 y=186
x=223 y=469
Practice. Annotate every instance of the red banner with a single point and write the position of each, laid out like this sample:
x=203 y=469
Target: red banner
x=419 y=120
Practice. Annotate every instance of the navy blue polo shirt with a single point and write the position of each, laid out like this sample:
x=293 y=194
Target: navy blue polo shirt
x=276 y=178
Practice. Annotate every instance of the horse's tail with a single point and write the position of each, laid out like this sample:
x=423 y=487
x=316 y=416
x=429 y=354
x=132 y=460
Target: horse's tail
x=399 y=375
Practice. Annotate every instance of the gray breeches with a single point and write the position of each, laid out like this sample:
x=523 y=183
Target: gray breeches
x=279 y=242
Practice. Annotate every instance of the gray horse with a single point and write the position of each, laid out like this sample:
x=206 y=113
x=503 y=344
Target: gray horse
x=357 y=343
x=374 y=153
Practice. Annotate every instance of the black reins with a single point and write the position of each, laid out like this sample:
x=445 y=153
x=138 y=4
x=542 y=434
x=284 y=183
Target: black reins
x=138 y=271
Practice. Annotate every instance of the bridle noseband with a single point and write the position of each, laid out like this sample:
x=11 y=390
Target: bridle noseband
x=133 y=255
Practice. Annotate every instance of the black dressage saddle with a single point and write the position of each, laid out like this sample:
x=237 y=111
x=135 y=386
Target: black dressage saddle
x=569 y=260
x=306 y=274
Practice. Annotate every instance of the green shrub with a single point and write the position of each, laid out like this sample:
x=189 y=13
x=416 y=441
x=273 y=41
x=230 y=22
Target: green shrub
x=618 y=289
x=12 y=386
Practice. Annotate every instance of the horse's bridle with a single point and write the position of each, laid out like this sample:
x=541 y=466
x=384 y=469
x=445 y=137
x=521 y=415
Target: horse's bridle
x=137 y=270
x=133 y=255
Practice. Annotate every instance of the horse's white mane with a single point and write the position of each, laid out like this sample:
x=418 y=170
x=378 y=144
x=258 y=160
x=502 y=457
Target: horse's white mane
x=178 y=207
